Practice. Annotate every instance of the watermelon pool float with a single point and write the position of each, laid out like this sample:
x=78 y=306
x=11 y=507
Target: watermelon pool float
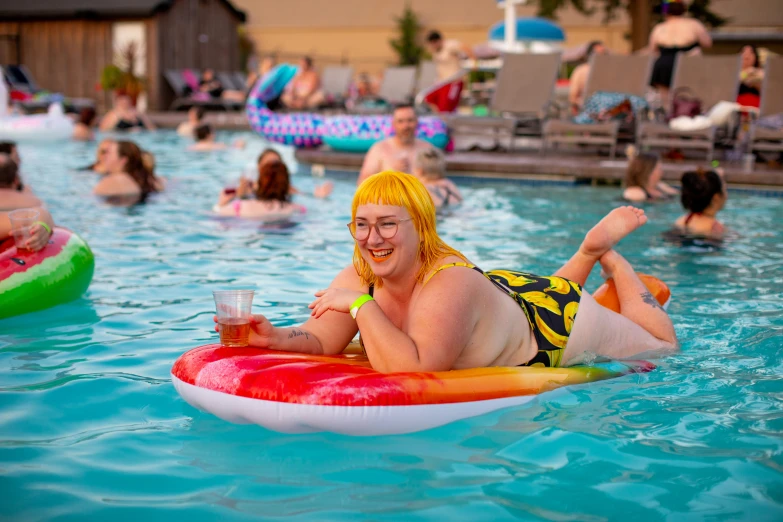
x=56 y=274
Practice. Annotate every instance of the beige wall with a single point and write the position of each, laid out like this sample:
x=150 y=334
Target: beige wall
x=758 y=14
x=358 y=31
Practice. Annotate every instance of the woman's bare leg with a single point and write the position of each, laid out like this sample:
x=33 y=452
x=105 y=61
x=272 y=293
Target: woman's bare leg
x=599 y=240
x=617 y=337
x=636 y=302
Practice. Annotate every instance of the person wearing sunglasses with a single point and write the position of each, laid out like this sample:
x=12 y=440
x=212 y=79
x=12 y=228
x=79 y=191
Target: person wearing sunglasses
x=420 y=305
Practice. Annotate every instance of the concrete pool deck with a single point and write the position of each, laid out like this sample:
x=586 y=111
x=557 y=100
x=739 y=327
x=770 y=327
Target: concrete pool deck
x=570 y=165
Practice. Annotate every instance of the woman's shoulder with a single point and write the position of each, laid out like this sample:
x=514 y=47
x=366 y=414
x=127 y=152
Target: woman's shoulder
x=117 y=184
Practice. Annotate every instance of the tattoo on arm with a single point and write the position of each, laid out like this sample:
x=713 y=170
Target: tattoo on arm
x=298 y=333
x=648 y=298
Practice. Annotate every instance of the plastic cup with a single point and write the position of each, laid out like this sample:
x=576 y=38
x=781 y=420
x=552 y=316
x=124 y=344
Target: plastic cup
x=233 y=313
x=22 y=222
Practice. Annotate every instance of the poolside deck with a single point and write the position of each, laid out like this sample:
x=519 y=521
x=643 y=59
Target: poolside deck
x=569 y=165
x=553 y=166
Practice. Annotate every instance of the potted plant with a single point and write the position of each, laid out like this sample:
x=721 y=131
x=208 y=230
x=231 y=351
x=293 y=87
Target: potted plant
x=122 y=79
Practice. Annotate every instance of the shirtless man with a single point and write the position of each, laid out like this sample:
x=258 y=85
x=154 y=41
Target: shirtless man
x=304 y=91
x=398 y=152
x=578 y=82
x=447 y=55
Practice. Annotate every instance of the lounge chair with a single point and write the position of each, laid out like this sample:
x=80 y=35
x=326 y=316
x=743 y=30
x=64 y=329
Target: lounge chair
x=711 y=79
x=627 y=75
x=426 y=80
x=763 y=138
x=228 y=82
x=335 y=82
x=240 y=80
x=522 y=98
x=20 y=79
x=186 y=95
x=396 y=87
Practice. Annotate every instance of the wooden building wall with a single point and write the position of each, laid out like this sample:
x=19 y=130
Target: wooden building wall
x=196 y=34
x=64 y=56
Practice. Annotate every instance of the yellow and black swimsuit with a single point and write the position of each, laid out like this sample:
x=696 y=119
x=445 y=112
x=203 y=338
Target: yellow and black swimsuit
x=549 y=303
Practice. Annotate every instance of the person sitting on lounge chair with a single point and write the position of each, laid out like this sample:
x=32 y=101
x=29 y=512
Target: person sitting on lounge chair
x=304 y=91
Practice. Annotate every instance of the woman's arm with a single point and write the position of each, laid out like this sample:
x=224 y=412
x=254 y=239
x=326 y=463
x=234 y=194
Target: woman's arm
x=109 y=121
x=327 y=334
x=146 y=121
x=705 y=40
x=442 y=322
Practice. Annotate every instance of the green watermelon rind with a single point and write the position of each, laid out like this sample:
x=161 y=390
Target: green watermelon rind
x=56 y=280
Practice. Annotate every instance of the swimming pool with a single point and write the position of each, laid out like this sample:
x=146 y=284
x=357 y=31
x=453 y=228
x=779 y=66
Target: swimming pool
x=92 y=429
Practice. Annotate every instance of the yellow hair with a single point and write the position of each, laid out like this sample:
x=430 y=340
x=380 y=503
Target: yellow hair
x=402 y=190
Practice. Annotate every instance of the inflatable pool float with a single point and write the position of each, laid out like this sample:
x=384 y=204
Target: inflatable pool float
x=299 y=129
x=297 y=393
x=273 y=83
x=52 y=126
x=359 y=133
x=56 y=274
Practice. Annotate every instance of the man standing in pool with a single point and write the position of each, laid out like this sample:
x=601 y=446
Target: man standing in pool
x=397 y=152
x=420 y=305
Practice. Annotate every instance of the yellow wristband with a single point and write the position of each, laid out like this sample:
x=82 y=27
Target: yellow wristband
x=43 y=224
x=361 y=300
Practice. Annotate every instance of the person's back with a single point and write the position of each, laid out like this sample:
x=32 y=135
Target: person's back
x=430 y=169
x=272 y=196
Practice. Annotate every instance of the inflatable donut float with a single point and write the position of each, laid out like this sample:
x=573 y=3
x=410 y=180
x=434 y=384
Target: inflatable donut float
x=359 y=133
x=56 y=274
x=297 y=393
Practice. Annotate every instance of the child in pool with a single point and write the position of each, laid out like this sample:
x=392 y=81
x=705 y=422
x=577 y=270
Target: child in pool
x=703 y=196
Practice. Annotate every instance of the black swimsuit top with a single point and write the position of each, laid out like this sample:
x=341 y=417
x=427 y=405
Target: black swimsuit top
x=128 y=124
x=675 y=49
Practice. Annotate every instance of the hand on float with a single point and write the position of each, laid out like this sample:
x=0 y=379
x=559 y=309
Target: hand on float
x=337 y=299
x=39 y=236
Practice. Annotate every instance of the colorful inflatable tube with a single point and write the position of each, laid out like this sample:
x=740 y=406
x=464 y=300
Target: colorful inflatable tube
x=31 y=281
x=296 y=393
x=359 y=133
x=307 y=130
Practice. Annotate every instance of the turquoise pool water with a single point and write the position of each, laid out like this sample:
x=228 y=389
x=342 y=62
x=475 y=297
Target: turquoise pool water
x=92 y=429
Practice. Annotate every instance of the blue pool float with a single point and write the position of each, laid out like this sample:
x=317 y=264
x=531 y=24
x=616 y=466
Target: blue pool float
x=273 y=83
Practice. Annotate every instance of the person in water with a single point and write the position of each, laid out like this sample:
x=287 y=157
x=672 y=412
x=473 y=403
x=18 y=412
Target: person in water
x=14 y=195
x=205 y=140
x=676 y=34
x=272 y=199
x=248 y=188
x=703 y=196
x=643 y=178
x=125 y=117
x=420 y=305
x=195 y=119
x=430 y=169
x=397 y=152
x=82 y=129
x=128 y=178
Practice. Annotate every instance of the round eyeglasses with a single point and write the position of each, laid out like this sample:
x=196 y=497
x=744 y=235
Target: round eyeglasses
x=385 y=227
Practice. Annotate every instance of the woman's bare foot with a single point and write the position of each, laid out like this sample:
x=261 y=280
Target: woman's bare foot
x=611 y=229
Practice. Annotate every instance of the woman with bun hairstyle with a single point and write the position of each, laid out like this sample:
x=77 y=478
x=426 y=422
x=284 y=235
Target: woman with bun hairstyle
x=643 y=178
x=703 y=196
